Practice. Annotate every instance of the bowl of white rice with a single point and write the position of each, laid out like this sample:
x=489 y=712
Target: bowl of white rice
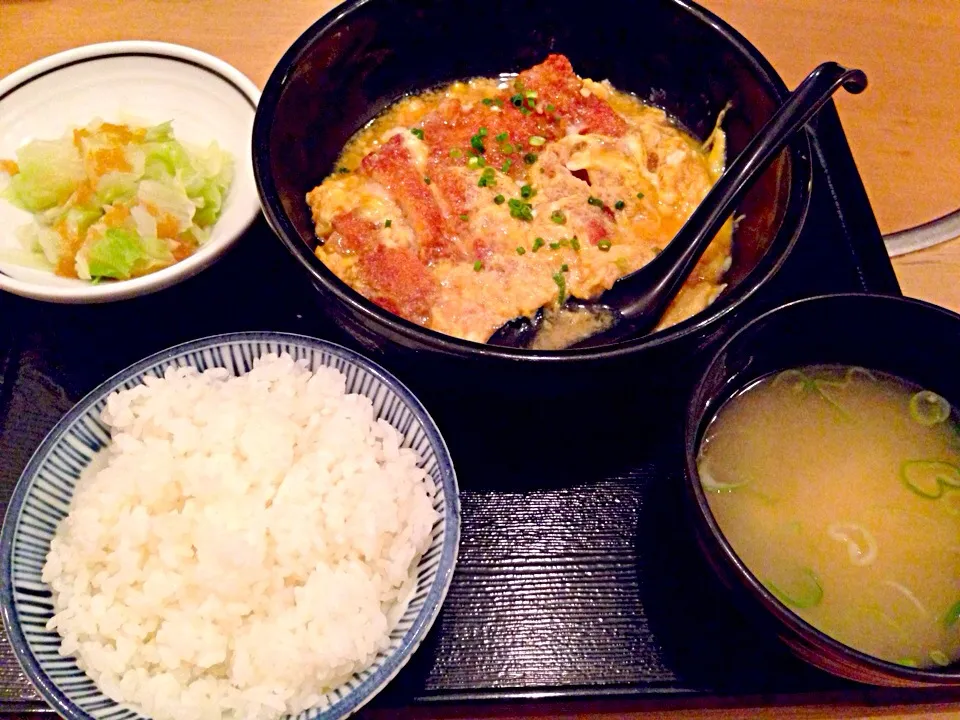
x=251 y=526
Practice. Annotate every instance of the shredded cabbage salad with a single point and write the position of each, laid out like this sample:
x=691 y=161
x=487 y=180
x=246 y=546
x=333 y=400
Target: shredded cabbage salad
x=115 y=201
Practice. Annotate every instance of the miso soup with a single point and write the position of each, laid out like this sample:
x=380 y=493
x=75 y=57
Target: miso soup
x=839 y=488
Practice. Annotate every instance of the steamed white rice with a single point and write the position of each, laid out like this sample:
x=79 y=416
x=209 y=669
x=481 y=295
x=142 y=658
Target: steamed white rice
x=242 y=546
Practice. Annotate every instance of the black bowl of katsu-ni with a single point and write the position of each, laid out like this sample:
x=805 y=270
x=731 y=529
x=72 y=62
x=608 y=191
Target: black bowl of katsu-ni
x=571 y=147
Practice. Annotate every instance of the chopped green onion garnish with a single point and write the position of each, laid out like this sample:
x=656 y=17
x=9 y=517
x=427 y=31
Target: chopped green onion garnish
x=499 y=199
x=554 y=246
x=464 y=216
x=507 y=148
x=455 y=153
x=530 y=158
x=639 y=196
x=520 y=209
x=487 y=101
x=475 y=162
x=550 y=107
x=517 y=100
x=619 y=205
x=505 y=168
x=487 y=178
x=537 y=140
x=427 y=180
x=537 y=244
x=929 y=478
x=526 y=191
x=482 y=132
x=806 y=593
x=476 y=142
x=558 y=217
x=952 y=615
x=575 y=243
x=928 y=408
x=387 y=223
x=417 y=132
x=342 y=169
x=518 y=85
x=710 y=484
x=595 y=201
x=501 y=137
x=477 y=265
x=498 y=102
x=939 y=657
x=530 y=94
x=604 y=245
x=564 y=268
x=524 y=111
x=561 y=282
x=521 y=250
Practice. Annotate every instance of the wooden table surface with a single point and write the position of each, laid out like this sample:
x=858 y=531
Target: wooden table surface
x=905 y=134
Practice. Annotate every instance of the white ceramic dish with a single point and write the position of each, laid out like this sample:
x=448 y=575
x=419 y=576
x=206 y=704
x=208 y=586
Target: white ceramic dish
x=206 y=99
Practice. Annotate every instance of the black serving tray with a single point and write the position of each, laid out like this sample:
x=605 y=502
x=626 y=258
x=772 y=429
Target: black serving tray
x=578 y=576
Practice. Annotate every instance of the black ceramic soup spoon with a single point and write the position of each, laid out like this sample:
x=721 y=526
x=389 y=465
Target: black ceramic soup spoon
x=635 y=304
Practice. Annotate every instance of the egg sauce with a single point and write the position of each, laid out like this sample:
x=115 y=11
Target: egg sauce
x=464 y=207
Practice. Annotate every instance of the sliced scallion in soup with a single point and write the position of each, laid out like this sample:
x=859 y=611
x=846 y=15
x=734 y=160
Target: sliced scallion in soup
x=839 y=488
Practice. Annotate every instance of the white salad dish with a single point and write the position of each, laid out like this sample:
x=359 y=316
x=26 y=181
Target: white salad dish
x=207 y=101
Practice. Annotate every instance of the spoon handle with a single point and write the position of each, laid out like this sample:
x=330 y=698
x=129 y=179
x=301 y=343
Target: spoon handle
x=679 y=257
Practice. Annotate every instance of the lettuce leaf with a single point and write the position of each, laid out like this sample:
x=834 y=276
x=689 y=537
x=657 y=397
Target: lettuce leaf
x=23 y=258
x=209 y=184
x=158 y=253
x=209 y=201
x=80 y=217
x=49 y=173
x=115 y=254
x=159 y=133
x=145 y=222
x=167 y=199
x=116 y=186
x=36 y=238
x=122 y=254
x=165 y=159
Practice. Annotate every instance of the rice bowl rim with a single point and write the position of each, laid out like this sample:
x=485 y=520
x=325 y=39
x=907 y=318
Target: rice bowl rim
x=394 y=660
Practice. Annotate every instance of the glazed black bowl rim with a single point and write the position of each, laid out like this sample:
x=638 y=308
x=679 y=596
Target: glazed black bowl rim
x=797 y=204
x=695 y=421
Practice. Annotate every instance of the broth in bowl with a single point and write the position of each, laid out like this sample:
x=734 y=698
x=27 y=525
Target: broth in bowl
x=839 y=489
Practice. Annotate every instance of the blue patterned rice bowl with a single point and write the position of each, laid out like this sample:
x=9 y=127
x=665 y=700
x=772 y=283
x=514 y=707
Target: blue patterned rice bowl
x=44 y=491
